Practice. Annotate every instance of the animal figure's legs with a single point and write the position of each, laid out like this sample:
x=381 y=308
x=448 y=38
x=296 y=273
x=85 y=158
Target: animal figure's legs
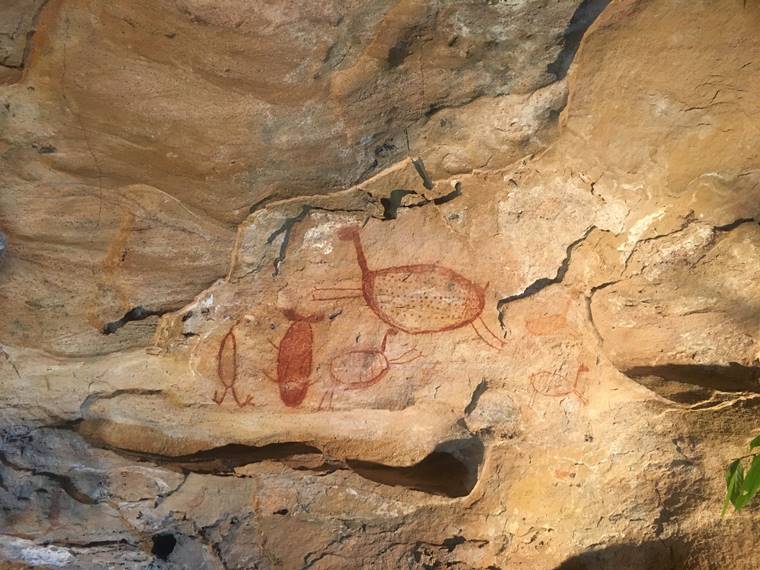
x=328 y=397
x=237 y=399
x=581 y=369
x=219 y=399
x=230 y=388
x=487 y=335
x=583 y=400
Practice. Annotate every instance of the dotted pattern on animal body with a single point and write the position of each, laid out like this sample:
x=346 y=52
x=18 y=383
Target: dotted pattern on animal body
x=423 y=298
x=416 y=299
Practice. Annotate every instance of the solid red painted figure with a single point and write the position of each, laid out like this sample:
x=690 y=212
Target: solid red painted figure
x=227 y=369
x=294 y=359
x=417 y=299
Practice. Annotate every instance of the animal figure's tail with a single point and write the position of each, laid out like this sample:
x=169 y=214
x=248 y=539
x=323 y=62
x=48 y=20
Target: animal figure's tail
x=351 y=233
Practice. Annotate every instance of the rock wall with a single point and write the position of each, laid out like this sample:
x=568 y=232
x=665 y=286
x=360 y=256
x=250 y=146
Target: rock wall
x=377 y=284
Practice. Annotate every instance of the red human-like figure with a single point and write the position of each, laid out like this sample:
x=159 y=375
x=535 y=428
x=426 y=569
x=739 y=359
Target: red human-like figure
x=358 y=369
x=227 y=370
x=294 y=359
x=416 y=299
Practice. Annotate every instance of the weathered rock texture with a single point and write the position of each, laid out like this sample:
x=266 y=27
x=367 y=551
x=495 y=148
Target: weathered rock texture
x=381 y=284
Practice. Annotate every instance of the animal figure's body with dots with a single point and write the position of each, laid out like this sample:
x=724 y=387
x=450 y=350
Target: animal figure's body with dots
x=416 y=299
x=359 y=369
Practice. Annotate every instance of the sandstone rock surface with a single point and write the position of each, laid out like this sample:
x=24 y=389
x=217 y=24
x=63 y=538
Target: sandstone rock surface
x=377 y=284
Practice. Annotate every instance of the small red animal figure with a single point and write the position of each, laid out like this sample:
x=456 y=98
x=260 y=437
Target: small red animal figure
x=417 y=299
x=227 y=369
x=555 y=385
x=358 y=369
x=294 y=359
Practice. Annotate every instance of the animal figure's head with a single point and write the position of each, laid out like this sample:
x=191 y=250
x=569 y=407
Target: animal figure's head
x=293 y=315
x=348 y=233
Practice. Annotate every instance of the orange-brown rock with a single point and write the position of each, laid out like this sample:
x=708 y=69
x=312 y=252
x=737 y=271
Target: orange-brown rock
x=377 y=284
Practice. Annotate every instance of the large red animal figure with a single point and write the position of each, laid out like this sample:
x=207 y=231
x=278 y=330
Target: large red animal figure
x=416 y=299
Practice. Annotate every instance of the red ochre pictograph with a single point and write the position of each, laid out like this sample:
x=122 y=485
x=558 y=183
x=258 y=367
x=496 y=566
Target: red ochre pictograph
x=294 y=359
x=556 y=385
x=359 y=369
x=227 y=369
x=416 y=299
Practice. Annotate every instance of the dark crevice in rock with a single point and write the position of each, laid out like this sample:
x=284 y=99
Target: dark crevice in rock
x=686 y=383
x=163 y=545
x=456 y=193
x=419 y=166
x=138 y=313
x=451 y=470
x=584 y=16
x=64 y=482
x=735 y=224
x=392 y=203
x=77 y=425
x=663 y=554
x=476 y=394
x=261 y=204
x=286 y=228
x=398 y=53
x=223 y=460
x=543 y=282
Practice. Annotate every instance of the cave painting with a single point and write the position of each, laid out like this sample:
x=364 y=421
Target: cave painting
x=227 y=370
x=294 y=362
x=551 y=323
x=416 y=299
x=554 y=384
x=359 y=369
x=294 y=359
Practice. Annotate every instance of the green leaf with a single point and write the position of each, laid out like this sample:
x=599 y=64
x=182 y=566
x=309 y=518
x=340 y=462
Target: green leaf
x=750 y=485
x=734 y=481
x=755 y=442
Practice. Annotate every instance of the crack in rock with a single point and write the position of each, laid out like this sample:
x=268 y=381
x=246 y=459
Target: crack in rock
x=543 y=282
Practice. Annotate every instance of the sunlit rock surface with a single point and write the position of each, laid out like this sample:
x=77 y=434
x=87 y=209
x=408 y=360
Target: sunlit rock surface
x=377 y=284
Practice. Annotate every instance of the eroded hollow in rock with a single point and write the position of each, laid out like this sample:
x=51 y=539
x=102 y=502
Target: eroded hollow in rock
x=163 y=545
x=451 y=470
x=689 y=384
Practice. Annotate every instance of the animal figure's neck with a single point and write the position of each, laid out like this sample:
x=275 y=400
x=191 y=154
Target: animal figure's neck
x=360 y=257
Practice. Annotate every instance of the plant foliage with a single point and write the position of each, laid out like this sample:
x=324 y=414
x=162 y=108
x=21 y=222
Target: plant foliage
x=741 y=485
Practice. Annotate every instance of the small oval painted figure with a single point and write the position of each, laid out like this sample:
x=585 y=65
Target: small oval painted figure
x=555 y=385
x=357 y=369
x=363 y=368
x=294 y=359
x=227 y=370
